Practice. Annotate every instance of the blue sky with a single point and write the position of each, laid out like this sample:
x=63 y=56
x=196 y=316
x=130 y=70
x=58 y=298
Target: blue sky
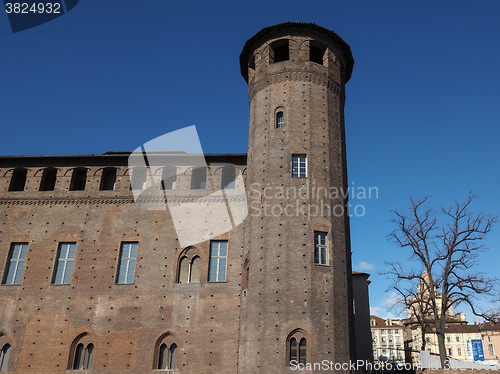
x=422 y=110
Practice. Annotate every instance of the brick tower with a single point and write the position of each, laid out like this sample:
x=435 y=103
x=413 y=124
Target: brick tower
x=297 y=299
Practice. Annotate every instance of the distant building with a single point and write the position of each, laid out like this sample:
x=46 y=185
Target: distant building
x=387 y=339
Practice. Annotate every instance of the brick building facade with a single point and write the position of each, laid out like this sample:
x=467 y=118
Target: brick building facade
x=91 y=281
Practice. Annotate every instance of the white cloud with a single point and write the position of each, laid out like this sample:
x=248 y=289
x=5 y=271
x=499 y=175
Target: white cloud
x=362 y=265
x=382 y=312
x=391 y=300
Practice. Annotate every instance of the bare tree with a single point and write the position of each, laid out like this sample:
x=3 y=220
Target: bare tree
x=444 y=244
x=411 y=296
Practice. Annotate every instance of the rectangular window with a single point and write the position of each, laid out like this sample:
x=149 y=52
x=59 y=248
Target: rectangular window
x=16 y=263
x=450 y=351
x=491 y=349
x=448 y=339
x=320 y=248
x=299 y=166
x=218 y=261
x=128 y=259
x=457 y=338
x=65 y=257
x=459 y=351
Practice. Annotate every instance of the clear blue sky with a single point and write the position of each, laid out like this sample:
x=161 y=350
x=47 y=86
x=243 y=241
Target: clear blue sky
x=422 y=111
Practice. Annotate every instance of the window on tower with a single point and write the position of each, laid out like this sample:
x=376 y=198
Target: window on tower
x=279 y=51
x=317 y=52
x=297 y=352
x=320 y=248
x=299 y=166
x=280 y=120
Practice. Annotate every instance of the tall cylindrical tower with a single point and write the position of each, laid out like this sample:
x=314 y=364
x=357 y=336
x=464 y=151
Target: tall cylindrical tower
x=296 y=304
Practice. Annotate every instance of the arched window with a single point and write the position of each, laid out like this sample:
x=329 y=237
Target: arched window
x=228 y=177
x=81 y=353
x=169 y=177
x=303 y=351
x=48 y=181
x=293 y=351
x=297 y=352
x=166 y=353
x=195 y=270
x=280 y=120
x=199 y=178
x=78 y=179
x=108 y=179
x=18 y=180
x=317 y=52
x=139 y=178
x=83 y=357
x=4 y=357
x=189 y=266
x=163 y=359
x=279 y=51
x=172 y=356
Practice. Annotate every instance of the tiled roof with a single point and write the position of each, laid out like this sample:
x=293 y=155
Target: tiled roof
x=380 y=322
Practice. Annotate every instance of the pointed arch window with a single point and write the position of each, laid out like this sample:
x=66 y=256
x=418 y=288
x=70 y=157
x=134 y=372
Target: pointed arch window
x=83 y=357
x=297 y=348
x=166 y=356
x=4 y=358
x=189 y=266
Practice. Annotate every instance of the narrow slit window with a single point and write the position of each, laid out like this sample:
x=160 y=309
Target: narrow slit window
x=303 y=351
x=162 y=361
x=293 y=351
x=18 y=181
x=172 y=357
x=48 y=181
x=108 y=179
x=128 y=259
x=16 y=263
x=280 y=120
x=78 y=179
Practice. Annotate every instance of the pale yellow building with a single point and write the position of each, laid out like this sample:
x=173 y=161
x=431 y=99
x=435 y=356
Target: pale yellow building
x=387 y=338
